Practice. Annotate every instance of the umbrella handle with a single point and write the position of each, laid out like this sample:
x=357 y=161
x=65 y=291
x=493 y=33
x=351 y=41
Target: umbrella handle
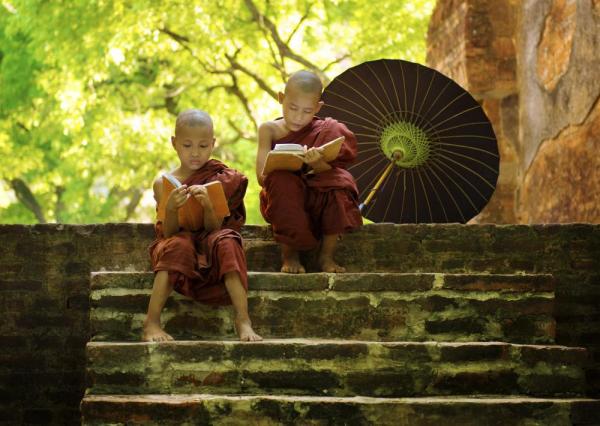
x=376 y=186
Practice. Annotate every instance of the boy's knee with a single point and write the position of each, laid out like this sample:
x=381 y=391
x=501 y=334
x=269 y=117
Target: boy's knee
x=282 y=179
x=181 y=244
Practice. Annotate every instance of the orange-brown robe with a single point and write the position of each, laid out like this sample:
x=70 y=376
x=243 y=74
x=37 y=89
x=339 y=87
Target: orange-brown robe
x=303 y=207
x=198 y=261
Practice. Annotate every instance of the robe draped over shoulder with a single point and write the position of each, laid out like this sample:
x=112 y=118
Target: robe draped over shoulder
x=198 y=261
x=303 y=207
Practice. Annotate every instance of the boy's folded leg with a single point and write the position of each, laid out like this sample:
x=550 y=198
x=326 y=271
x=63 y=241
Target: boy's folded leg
x=283 y=205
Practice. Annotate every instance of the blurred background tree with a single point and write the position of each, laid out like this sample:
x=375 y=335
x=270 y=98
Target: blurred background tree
x=89 y=89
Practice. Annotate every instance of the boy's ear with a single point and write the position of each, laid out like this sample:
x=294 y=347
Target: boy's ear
x=173 y=141
x=280 y=97
x=319 y=105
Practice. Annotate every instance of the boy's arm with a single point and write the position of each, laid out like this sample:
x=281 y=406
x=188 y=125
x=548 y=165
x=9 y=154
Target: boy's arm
x=265 y=138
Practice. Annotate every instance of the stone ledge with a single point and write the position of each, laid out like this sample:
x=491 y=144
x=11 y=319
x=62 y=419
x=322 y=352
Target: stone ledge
x=335 y=368
x=275 y=410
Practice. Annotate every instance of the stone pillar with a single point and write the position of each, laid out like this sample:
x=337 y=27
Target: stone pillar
x=473 y=42
x=559 y=83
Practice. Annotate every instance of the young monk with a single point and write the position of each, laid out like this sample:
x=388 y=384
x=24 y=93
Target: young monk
x=319 y=203
x=208 y=265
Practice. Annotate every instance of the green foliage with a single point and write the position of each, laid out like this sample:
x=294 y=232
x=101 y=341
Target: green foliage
x=89 y=89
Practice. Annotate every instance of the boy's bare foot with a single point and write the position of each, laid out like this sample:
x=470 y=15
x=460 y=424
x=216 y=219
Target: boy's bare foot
x=328 y=265
x=291 y=261
x=153 y=333
x=245 y=331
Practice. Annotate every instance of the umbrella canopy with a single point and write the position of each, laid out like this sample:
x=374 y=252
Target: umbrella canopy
x=424 y=144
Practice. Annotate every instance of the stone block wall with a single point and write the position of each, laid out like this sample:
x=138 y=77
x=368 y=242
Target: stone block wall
x=44 y=300
x=45 y=272
x=533 y=65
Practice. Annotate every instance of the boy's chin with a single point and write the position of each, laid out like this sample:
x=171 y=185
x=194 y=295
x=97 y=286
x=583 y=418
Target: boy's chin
x=196 y=166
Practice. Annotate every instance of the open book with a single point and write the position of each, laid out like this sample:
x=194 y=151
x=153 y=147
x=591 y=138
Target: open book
x=290 y=156
x=191 y=214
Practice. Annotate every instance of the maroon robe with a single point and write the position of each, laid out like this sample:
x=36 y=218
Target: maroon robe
x=198 y=261
x=303 y=207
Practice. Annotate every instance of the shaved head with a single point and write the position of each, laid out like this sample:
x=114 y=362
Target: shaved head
x=306 y=82
x=193 y=118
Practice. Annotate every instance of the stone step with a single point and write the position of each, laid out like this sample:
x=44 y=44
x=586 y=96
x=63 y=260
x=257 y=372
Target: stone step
x=198 y=409
x=368 y=306
x=335 y=368
x=410 y=248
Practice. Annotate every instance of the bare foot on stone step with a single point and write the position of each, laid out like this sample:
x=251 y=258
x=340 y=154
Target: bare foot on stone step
x=153 y=333
x=245 y=331
x=328 y=265
x=326 y=261
x=291 y=261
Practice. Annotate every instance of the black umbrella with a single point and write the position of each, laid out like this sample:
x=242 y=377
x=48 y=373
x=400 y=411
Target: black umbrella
x=426 y=150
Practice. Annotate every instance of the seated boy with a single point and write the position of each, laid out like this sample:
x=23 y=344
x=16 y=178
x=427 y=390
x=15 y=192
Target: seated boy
x=319 y=203
x=208 y=265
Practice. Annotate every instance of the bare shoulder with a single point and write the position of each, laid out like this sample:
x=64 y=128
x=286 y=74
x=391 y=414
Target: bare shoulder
x=266 y=133
x=273 y=129
x=157 y=187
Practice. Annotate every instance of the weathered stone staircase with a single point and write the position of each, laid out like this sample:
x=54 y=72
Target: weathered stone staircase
x=414 y=334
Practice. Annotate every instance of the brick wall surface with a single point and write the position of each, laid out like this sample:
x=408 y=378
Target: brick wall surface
x=44 y=288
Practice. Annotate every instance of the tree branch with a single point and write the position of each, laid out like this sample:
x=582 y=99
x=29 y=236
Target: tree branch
x=284 y=48
x=261 y=83
x=135 y=195
x=299 y=24
x=26 y=197
x=59 y=206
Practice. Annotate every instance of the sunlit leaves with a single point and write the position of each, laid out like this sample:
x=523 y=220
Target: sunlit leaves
x=89 y=89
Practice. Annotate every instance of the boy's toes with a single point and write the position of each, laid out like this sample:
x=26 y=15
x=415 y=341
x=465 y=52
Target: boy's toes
x=292 y=267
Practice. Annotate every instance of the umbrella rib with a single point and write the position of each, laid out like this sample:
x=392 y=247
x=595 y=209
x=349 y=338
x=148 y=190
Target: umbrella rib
x=387 y=208
x=426 y=95
x=369 y=169
x=436 y=98
x=436 y=163
x=454 y=116
x=369 y=186
x=367 y=150
x=426 y=197
x=487 y=138
x=468 y=158
x=393 y=84
x=331 y=92
x=403 y=195
x=468 y=169
x=361 y=95
x=381 y=85
x=465 y=180
x=446 y=107
x=412 y=178
x=364 y=160
x=356 y=115
x=366 y=135
x=403 y=85
x=436 y=194
x=368 y=87
x=465 y=124
x=416 y=91
x=466 y=147
x=449 y=193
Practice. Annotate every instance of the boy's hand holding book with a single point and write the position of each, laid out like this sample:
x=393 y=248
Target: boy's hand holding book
x=200 y=193
x=177 y=198
x=315 y=159
x=291 y=157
